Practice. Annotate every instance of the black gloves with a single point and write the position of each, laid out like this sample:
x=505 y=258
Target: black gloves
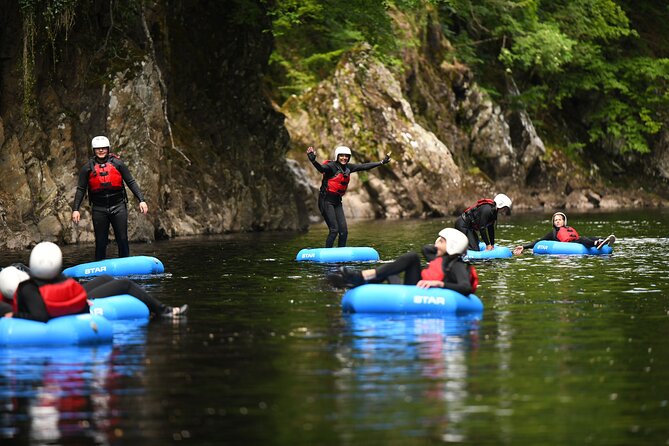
x=386 y=160
x=312 y=156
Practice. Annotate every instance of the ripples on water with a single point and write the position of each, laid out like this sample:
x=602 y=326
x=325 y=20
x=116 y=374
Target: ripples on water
x=569 y=350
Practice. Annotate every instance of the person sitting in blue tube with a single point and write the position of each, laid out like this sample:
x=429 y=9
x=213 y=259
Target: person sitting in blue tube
x=446 y=267
x=563 y=233
x=44 y=292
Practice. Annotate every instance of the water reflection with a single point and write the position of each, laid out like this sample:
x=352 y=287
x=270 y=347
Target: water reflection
x=65 y=394
x=404 y=366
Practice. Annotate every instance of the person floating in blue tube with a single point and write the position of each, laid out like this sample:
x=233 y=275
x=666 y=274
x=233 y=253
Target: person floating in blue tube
x=481 y=218
x=563 y=233
x=42 y=292
x=336 y=176
x=446 y=267
x=104 y=177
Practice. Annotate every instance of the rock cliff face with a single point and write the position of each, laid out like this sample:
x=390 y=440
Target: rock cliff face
x=177 y=89
x=451 y=143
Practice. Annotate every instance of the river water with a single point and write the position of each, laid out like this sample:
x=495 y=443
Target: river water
x=569 y=350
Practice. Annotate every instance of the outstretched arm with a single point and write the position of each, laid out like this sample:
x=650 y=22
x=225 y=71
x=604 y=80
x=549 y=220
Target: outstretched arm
x=368 y=166
x=518 y=250
x=311 y=153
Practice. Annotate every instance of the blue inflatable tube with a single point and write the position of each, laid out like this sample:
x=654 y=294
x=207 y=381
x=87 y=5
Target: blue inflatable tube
x=79 y=329
x=553 y=247
x=124 y=266
x=393 y=331
x=123 y=307
x=498 y=252
x=390 y=298
x=334 y=255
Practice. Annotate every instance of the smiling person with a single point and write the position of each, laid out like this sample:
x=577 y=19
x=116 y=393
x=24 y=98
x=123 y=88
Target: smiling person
x=563 y=233
x=446 y=267
x=336 y=176
x=104 y=177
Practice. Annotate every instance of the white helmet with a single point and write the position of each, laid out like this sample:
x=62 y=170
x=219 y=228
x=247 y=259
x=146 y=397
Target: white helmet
x=10 y=278
x=456 y=241
x=100 y=142
x=502 y=201
x=46 y=260
x=342 y=150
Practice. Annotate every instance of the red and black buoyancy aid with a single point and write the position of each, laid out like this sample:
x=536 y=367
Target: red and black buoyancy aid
x=469 y=213
x=105 y=176
x=566 y=234
x=436 y=270
x=61 y=298
x=338 y=183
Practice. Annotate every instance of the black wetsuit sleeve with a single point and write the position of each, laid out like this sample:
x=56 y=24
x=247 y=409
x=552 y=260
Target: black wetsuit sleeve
x=129 y=180
x=30 y=303
x=322 y=168
x=548 y=236
x=364 y=166
x=458 y=278
x=430 y=252
x=82 y=186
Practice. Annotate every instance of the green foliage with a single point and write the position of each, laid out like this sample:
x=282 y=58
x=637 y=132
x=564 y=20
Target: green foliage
x=311 y=35
x=567 y=55
x=545 y=50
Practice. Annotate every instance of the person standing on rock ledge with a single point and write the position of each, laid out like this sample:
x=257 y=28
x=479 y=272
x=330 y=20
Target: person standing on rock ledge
x=104 y=176
x=481 y=218
x=336 y=176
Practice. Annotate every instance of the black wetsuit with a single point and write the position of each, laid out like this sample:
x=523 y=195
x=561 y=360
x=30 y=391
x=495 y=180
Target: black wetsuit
x=108 y=207
x=482 y=219
x=456 y=270
x=330 y=204
x=588 y=242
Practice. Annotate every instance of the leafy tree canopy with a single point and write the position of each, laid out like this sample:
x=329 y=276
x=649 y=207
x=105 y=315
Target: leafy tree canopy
x=580 y=62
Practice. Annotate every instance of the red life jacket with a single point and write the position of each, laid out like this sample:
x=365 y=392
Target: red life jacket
x=480 y=202
x=473 y=278
x=435 y=271
x=337 y=184
x=105 y=176
x=567 y=234
x=61 y=298
x=469 y=216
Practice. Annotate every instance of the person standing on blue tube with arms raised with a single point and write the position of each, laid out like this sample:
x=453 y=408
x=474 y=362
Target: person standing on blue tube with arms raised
x=563 y=233
x=481 y=218
x=336 y=176
x=104 y=177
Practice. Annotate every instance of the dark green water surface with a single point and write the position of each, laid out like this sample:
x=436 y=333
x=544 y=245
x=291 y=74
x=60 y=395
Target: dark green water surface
x=569 y=351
